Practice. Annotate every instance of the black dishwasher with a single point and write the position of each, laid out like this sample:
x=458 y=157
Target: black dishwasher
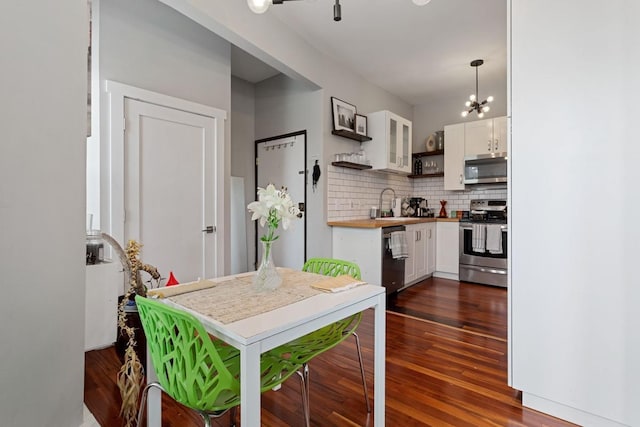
x=392 y=268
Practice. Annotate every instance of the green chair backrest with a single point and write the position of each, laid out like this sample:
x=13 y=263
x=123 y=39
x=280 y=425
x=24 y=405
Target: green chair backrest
x=332 y=267
x=187 y=364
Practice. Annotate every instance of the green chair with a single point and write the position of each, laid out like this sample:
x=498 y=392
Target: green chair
x=305 y=348
x=196 y=371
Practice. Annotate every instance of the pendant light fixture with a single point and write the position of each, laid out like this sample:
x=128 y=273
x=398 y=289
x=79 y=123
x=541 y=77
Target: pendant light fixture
x=473 y=104
x=261 y=6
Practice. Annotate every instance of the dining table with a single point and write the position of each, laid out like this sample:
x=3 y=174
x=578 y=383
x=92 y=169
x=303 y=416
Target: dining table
x=255 y=321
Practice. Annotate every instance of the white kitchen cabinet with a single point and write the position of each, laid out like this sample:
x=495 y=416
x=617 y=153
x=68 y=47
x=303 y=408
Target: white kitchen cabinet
x=447 y=249
x=415 y=264
x=421 y=242
x=362 y=246
x=430 y=239
x=103 y=283
x=486 y=136
x=390 y=147
x=454 y=151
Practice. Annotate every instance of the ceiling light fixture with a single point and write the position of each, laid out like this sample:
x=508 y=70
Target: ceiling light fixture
x=261 y=6
x=421 y=2
x=473 y=103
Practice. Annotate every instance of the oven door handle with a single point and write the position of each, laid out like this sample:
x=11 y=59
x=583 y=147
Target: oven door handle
x=485 y=269
x=469 y=226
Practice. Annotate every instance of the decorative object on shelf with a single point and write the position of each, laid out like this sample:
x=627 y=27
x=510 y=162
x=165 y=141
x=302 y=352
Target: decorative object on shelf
x=417 y=166
x=315 y=176
x=344 y=115
x=272 y=208
x=440 y=139
x=431 y=143
x=443 y=211
x=361 y=124
x=473 y=104
x=131 y=374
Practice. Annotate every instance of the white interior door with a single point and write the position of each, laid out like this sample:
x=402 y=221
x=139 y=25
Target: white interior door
x=170 y=188
x=281 y=162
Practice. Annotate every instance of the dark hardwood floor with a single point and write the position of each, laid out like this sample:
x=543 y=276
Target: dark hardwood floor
x=446 y=366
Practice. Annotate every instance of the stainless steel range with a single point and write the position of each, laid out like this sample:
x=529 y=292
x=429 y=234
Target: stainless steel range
x=483 y=243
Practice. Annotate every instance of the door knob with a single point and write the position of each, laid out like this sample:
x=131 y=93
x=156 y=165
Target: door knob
x=209 y=229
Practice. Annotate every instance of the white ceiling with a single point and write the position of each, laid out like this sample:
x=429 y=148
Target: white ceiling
x=418 y=53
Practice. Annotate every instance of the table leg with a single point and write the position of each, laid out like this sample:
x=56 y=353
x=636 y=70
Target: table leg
x=154 y=398
x=380 y=360
x=250 y=385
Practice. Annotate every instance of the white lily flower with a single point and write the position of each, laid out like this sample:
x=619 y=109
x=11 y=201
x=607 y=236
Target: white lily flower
x=273 y=207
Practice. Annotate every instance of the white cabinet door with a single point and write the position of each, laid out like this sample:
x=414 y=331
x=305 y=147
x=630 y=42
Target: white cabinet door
x=430 y=244
x=478 y=137
x=421 y=251
x=390 y=146
x=447 y=249
x=500 y=132
x=417 y=265
x=454 y=156
x=362 y=246
x=410 y=262
x=104 y=282
x=486 y=136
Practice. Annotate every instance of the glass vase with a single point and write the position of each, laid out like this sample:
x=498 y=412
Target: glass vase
x=267 y=277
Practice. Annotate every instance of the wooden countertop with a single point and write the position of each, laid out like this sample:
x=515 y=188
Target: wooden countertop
x=379 y=223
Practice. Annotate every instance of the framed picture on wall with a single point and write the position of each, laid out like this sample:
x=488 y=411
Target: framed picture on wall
x=361 y=125
x=344 y=115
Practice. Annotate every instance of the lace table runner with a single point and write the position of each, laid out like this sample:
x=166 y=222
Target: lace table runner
x=234 y=299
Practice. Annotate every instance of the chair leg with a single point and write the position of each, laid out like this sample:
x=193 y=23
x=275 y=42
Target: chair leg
x=304 y=386
x=206 y=418
x=143 y=401
x=233 y=413
x=364 y=381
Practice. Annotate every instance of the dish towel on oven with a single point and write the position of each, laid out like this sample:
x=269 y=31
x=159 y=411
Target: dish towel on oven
x=478 y=237
x=494 y=238
x=398 y=245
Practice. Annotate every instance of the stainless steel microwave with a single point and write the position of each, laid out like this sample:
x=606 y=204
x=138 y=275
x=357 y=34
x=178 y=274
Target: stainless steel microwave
x=485 y=168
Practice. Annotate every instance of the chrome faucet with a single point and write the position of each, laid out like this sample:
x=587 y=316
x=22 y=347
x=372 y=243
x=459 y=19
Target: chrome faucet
x=381 y=193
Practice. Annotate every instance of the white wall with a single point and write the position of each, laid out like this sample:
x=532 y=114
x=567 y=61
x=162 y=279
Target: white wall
x=42 y=212
x=149 y=45
x=284 y=105
x=575 y=290
x=264 y=37
x=242 y=150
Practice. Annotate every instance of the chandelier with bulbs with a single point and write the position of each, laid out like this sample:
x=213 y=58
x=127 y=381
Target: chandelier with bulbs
x=473 y=104
x=261 y=6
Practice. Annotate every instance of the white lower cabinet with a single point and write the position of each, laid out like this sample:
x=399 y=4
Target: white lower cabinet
x=362 y=246
x=447 y=248
x=103 y=283
x=421 y=242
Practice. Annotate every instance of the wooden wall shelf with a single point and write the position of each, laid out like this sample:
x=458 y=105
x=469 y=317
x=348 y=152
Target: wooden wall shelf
x=426 y=175
x=351 y=135
x=428 y=153
x=351 y=165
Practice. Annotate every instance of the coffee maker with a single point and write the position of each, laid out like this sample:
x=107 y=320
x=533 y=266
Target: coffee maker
x=419 y=205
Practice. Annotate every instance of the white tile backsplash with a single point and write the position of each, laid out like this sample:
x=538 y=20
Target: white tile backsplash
x=351 y=193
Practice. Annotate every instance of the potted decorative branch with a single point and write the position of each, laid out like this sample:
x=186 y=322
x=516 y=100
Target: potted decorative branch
x=131 y=374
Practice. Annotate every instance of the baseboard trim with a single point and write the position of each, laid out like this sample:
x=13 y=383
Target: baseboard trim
x=566 y=413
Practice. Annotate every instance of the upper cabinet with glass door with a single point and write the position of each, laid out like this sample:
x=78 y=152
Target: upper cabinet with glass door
x=390 y=147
